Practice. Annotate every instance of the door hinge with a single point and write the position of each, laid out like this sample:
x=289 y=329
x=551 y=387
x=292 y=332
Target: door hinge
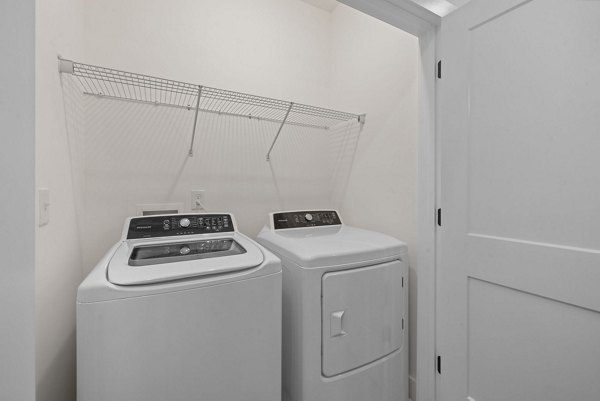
x=439 y=364
x=439 y=69
x=439 y=217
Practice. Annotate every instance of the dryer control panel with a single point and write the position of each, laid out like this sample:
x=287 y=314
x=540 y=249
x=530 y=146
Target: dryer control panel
x=179 y=224
x=300 y=219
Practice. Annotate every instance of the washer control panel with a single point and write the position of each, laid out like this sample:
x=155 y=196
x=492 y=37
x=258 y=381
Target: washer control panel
x=179 y=224
x=301 y=219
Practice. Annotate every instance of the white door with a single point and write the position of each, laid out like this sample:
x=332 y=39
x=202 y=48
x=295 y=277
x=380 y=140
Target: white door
x=518 y=301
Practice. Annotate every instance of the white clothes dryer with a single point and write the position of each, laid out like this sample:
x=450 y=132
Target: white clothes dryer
x=183 y=308
x=345 y=298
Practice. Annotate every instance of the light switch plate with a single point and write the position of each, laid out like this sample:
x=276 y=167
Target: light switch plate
x=44 y=206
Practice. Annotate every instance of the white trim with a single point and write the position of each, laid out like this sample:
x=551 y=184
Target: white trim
x=426 y=220
x=414 y=19
x=536 y=243
x=403 y=14
x=412 y=388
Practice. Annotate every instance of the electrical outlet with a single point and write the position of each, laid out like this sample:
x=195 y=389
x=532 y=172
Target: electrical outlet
x=198 y=199
x=44 y=206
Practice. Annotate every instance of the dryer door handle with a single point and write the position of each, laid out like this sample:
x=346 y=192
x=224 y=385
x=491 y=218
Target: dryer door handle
x=337 y=320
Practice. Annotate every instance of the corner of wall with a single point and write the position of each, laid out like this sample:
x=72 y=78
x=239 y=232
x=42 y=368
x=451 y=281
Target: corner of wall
x=59 y=30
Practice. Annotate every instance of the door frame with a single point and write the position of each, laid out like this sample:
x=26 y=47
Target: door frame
x=414 y=19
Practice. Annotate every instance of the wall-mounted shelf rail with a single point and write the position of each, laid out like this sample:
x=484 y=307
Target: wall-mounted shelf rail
x=116 y=84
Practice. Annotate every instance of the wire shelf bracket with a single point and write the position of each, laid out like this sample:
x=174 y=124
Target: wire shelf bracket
x=191 y=151
x=287 y=114
x=128 y=86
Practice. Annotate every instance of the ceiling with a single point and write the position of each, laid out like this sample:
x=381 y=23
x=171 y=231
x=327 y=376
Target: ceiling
x=327 y=5
x=439 y=7
x=459 y=3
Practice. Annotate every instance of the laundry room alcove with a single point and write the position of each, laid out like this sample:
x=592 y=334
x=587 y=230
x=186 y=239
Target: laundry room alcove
x=102 y=156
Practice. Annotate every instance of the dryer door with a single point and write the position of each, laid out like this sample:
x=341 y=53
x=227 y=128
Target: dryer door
x=362 y=316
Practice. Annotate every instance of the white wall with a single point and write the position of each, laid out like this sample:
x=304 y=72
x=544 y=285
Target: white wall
x=59 y=29
x=17 y=214
x=374 y=69
x=276 y=48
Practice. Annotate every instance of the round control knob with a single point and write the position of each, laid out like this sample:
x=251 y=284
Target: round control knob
x=184 y=250
x=185 y=222
x=308 y=217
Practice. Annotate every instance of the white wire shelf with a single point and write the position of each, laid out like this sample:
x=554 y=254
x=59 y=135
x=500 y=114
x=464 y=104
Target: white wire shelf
x=116 y=84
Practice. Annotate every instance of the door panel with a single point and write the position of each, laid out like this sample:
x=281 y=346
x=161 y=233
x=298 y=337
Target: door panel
x=519 y=269
x=531 y=105
x=507 y=360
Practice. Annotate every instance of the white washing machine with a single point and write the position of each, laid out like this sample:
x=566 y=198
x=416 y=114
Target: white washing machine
x=183 y=308
x=345 y=298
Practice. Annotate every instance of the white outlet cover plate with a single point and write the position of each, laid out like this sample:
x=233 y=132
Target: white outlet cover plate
x=44 y=206
x=198 y=201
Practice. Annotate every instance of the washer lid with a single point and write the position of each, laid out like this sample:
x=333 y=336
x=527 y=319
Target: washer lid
x=138 y=262
x=330 y=245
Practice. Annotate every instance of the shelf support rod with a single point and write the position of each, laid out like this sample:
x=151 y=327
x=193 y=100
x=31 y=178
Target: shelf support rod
x=279 y=131
x=191 y=152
